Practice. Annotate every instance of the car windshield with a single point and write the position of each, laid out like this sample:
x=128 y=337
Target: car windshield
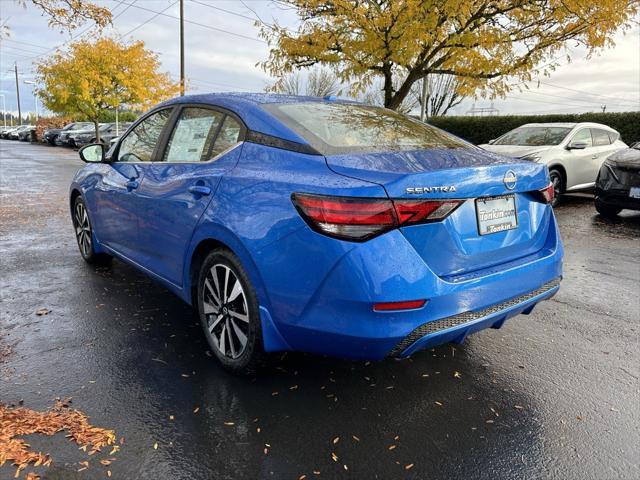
x=534 y=136
x=336 y=128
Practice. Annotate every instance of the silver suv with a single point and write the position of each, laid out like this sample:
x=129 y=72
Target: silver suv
x=573 y=152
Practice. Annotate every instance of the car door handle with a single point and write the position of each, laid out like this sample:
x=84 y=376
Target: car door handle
x=132 y=184
x=594 y=156
x=199 y=190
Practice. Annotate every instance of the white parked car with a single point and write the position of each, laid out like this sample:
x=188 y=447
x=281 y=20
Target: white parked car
x=573 y=152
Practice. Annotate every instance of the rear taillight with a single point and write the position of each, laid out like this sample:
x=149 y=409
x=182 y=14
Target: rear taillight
x=358 y=219
x=547 y=194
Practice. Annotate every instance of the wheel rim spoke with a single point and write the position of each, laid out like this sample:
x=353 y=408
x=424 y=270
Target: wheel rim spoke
x=240 y=335
x=215 y=323
x=231 y=345
x=226 y=285
x=223 y=340
x=215 y=296
x=240 y=316
x=214 y=274
x=235 y=291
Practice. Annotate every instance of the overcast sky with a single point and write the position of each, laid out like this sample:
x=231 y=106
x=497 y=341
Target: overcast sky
x=222 y=52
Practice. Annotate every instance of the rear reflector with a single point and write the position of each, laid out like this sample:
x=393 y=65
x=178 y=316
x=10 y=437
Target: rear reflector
x=358 y=219
x=391 y=306
x=547 y=194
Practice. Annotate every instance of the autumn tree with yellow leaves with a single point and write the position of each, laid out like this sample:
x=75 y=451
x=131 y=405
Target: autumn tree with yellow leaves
x=93 y=77
x=486 y=44
x=70 y=14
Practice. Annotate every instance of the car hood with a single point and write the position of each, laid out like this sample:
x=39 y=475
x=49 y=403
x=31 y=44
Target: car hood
x=629 y=158
x=515 y=150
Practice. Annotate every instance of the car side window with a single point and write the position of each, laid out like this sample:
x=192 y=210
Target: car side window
x=228 y=136
x=583 y=136
x=193 y=135
x=613 y=136
x=140 y=143
x=600 y=137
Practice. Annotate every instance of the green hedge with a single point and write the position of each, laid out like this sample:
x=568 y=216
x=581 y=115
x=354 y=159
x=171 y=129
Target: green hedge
x=482 y=129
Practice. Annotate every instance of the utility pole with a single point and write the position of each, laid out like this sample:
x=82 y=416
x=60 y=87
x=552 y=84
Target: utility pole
x=15 y=65
x=181 y=47
x=423 y=99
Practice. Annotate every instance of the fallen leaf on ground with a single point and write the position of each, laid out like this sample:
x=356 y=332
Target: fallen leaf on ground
x=15 y=422
x=408 y=467
x=336 y=440
x=43 y=311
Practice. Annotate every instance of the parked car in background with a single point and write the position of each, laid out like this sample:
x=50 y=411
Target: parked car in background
x=5 y=131
x=27 y=134
x=618 y=182
x=296 y=223
x=574 y=152
x=15 y=134
x=63 y=139
x=50 y=135
x=108 y=131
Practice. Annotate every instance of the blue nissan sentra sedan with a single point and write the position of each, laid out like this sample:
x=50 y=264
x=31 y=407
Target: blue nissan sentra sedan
x=319 y=225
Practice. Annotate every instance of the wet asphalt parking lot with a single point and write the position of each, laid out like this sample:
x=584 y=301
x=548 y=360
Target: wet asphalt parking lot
x=555 y=394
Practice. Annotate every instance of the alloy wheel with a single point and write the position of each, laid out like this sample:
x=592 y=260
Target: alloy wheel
x=83 y=230
x=226 y=311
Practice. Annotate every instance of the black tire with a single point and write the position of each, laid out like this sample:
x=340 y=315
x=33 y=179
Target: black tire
x=221 y=312
x=84 y=235
x=607 y=211
x=557 y=179
x=52 y=141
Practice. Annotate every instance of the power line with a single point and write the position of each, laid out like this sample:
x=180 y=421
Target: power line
x=148 y=20
x=224 y=10
x=22 y=43
x=580 y=91
x=578 y=100
x=202 y=25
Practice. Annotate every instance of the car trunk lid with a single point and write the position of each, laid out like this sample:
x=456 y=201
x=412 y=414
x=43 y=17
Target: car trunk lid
x=454 y=246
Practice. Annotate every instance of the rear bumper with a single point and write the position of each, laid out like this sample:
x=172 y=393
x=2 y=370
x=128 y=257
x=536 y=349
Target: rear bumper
x=339 y=320
x=457 y=327
x=617 y=198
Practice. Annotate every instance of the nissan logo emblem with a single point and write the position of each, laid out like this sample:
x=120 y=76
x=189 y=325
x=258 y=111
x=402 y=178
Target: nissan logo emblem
x=510 y=179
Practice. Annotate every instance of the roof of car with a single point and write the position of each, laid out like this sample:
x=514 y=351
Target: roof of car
x=569 y=125
x=249 y=107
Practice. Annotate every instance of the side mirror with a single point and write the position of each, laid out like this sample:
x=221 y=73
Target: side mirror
x=577 y=146
x=93 y=153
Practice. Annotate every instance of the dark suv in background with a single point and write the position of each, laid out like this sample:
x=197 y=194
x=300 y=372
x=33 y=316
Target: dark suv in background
x=64 y=136
x=108 y=131
x=618 y=182
x=51 y=134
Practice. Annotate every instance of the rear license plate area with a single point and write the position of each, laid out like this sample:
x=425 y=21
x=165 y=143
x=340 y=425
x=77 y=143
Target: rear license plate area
x=496 y=214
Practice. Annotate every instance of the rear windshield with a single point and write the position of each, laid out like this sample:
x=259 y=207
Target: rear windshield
x=534 y=136
x=336 y=128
